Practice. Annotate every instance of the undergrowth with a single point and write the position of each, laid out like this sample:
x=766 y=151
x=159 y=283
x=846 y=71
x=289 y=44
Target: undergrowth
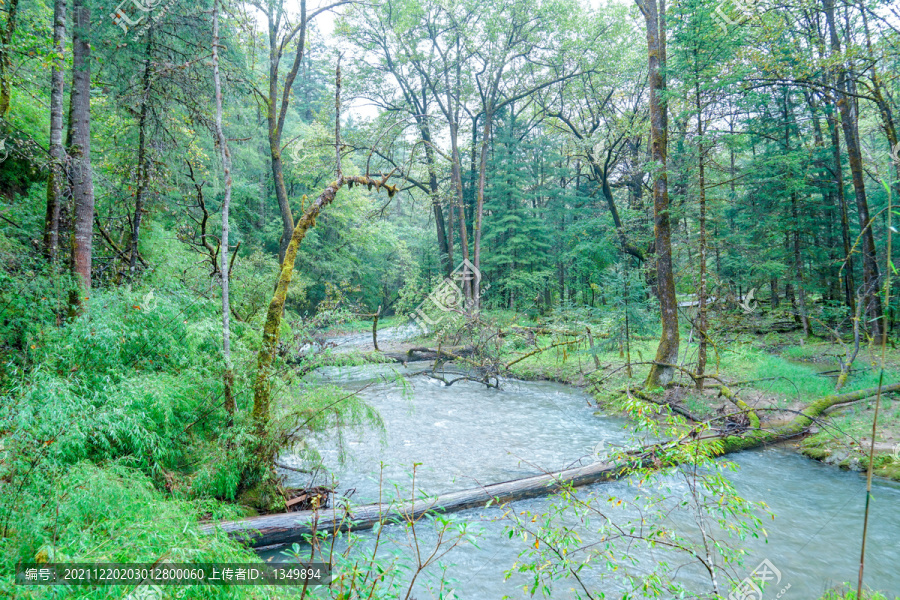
x=115 y=442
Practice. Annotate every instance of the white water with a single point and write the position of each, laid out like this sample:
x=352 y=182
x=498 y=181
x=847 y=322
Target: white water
x=466 y=435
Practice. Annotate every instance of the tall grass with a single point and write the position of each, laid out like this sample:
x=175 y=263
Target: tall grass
x=114 y=440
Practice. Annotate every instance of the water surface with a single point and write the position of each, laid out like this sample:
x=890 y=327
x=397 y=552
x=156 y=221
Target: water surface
x=466 y=435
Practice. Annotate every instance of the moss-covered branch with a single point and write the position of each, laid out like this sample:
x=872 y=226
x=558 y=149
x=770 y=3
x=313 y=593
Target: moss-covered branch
x=262 y=390
x=758 y=436
x=751 y=414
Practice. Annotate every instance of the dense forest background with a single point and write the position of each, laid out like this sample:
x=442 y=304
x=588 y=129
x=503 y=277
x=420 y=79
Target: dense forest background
x=562 y=92
x=655 y=168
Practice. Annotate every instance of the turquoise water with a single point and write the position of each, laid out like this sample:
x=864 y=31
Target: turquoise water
x=465 y=435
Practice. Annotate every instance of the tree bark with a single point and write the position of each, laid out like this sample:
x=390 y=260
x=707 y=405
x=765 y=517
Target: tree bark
x=795 y=220
x=667 y=351
x=849 y=286
x=142 y=166
x=5 y=56
x=222 y=143
x=450 y=106
x=456 y=175
x=702 y=324
x=57 y=173
x=443 y=247
x=479 y=205
x=850 y=124
x=262 y=391
x=80 y=150
x=276 y=110
x=451 y=111
x=798 y=265
x=292 y=526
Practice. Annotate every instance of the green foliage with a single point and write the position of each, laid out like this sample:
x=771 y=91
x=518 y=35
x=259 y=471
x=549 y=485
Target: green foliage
x=518 y=232
x=590 y=540
x=114 y=514
x=630 y=314
x=851 y=595
x=129 y=394
x=122 y=403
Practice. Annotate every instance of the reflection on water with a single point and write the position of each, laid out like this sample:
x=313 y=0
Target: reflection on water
x=465 y=435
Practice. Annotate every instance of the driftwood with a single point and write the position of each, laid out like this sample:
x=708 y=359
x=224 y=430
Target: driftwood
x=414 y=354
x=289 y=527
x=307 y=499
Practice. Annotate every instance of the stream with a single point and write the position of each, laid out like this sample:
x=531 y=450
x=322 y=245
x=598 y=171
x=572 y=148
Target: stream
x=466 y=435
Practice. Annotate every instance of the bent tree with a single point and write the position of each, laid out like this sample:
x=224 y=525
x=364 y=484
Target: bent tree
x=262 y=389
x=654 y=12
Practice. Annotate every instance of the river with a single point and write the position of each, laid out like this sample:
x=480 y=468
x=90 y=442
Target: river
x=466 y=435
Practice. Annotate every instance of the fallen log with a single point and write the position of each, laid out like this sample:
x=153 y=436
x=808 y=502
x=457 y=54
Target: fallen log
x=764 y=328
x=414 y=354
x=283 y=528
x=755 y=437
x=533 y=331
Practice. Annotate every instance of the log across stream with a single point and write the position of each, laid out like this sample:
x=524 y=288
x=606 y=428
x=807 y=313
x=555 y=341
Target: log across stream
x=289 y=527
x=467 y=436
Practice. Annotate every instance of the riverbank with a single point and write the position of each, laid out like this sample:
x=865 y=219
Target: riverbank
x=435 y=404
x=775 y=373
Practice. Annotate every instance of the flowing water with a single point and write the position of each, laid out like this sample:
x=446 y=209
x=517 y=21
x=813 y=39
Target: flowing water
x=465 y=435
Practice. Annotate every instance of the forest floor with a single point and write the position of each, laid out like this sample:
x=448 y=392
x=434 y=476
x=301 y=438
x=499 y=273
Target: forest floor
x=776 y=373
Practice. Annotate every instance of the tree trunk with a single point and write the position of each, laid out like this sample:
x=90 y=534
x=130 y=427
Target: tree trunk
x=701 y=288
x=451 y=108
x=849 y=286
x=222 y=143
x=80 y=150
x=143 y=168
x=636 y=179
x=440 y=226
x=667 y=351
x=276 y=112
x=5 y=56
x=850 y=124
x=57 y=173
x=456 y=175
x=479 y=205
x=601 y=176
x=262 y=392
x=795 y=220
x=287 y=219
x=798 y=266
